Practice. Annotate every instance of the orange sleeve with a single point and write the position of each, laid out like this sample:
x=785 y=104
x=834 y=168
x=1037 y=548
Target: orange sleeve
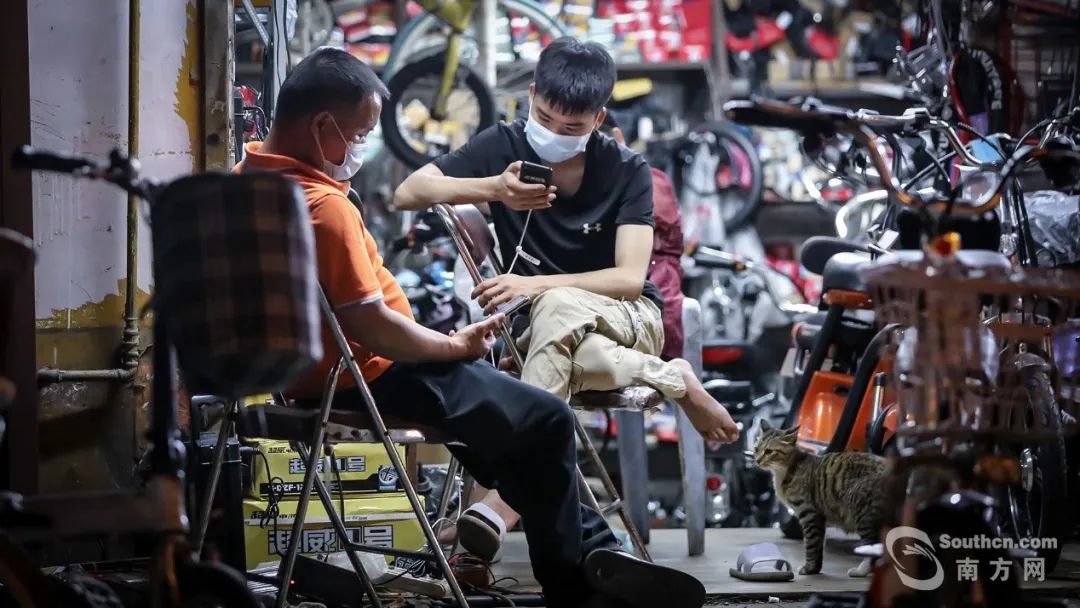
x=346 y=270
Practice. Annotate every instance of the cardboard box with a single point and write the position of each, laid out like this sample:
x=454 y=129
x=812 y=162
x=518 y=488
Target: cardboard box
x=364 y=468
x=382 y=521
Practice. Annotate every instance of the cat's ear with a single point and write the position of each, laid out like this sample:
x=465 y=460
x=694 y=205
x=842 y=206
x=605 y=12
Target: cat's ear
x=791 y=435
x=765 y=426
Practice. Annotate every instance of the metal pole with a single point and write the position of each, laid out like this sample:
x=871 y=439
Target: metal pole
x=210 y=490
x=609 y=487
x=54 y=376
x=280 y=59
x=448 y=488
x=342 y=532
x=486 y=13
x=380 y=431
x=285 y=571
x=718 y=73
x=129 y=341
x=218 y=74
x=129 y=358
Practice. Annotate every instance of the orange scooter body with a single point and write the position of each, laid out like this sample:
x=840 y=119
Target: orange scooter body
x=823 y=406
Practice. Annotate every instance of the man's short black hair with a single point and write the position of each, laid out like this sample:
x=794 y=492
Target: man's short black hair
x=326 y=80
x=575 y=76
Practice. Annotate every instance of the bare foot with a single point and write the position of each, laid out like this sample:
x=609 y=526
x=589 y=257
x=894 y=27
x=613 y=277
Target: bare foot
x=710 y=418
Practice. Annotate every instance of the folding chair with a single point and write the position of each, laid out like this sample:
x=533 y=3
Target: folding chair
x=310 y=431
x=476 y=244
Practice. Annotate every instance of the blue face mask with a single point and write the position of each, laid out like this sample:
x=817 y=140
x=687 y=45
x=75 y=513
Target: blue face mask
x=354 y=158
x=551 y=146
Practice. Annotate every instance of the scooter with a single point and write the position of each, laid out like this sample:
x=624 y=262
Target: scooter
x=741 y=373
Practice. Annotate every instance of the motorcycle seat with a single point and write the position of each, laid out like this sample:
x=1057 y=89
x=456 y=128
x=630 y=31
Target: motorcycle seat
x=853 y=333
x=818 y=250
x=842 y=272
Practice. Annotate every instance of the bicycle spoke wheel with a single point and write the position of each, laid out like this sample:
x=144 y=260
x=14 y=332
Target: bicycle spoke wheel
x=412 y=132
x=522 y=29
x=413 y=128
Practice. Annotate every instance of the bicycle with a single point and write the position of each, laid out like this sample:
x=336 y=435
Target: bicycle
x=177 y=578
x=439 y=46
x=437 y=99
x=869 y=405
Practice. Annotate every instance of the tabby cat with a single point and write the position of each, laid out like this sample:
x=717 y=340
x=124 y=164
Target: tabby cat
x=844 y=489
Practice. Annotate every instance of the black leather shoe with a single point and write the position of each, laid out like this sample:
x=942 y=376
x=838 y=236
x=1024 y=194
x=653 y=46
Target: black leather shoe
x=641 y=584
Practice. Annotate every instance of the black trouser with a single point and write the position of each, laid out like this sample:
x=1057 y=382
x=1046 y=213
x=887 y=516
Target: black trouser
x=518 y=439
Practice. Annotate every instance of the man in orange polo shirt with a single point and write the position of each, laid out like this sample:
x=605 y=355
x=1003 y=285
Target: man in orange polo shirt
x=518 y=438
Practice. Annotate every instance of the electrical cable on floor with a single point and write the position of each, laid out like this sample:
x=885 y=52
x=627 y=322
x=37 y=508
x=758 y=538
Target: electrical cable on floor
x=275 y=493
x=492 y=589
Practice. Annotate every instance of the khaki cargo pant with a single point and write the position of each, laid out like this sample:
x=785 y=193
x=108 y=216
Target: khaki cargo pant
x=581 y=341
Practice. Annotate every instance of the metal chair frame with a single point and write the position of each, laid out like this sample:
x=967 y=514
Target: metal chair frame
x=311 y=451
x=475 y=245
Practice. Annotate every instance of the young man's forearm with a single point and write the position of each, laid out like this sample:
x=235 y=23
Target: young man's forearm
x=425 y=188
x=389 y=334
x=611 y=282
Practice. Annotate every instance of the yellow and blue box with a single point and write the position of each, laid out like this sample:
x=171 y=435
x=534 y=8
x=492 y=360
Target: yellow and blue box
x=382 y=521
x=363 y=468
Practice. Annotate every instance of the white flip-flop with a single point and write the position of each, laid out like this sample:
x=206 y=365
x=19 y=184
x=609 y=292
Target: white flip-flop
x=773 y=567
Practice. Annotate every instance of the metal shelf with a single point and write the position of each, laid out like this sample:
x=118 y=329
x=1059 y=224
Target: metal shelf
x=662 y=66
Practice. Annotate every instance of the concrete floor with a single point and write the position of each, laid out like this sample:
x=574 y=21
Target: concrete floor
x=722 y=547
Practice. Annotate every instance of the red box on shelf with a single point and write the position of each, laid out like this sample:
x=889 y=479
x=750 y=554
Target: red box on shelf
x=698 y=17
x=651 y=52
x=692 y=53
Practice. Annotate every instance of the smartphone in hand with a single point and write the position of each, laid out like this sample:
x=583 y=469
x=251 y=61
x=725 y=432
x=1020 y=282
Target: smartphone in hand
x=532 y=173
x=512 y=306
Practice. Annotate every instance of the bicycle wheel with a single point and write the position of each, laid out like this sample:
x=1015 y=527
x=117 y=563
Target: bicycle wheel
x=410 y=130
x=522 y=29
x=1035 y=504
x=720 y=169
x=426 y=34
x=315 y=22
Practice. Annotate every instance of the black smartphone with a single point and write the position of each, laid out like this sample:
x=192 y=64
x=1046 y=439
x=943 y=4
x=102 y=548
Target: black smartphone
x=512 y=306
x=532 y=173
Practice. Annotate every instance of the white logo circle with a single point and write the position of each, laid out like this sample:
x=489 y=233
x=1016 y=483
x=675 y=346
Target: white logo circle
x=918 y=545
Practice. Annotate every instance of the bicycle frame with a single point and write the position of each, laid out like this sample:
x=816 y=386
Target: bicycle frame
x=159 y=509
x=457 y=14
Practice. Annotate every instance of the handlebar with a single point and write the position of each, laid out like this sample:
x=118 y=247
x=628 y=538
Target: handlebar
x=26 y=157
x=813 y=116
x=711 y=257
x=815 y=119
x=120 y=170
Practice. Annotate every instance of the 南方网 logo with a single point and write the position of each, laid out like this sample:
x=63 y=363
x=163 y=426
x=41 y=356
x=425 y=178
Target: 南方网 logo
x=914 y=542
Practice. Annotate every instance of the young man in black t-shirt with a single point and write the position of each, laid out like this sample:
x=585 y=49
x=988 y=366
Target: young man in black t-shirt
x=578 y=249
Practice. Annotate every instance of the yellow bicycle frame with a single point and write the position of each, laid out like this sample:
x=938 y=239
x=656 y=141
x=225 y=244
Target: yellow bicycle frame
x=457 y=14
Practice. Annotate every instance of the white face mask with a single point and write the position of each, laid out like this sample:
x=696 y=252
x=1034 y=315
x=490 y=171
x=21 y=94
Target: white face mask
x=552 y=147
x=354 y=159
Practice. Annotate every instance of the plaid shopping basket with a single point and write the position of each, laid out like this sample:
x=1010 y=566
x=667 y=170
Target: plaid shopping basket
x=235 y=281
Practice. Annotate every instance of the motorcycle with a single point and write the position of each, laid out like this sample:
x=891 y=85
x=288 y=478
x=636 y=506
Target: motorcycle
x=422 y=261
